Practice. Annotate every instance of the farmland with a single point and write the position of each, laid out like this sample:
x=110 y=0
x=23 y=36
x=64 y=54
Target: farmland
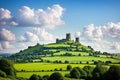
x=43 y=68
x=77 y=59
x=55 y=57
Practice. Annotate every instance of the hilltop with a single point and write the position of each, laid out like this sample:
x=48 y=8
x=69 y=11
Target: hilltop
x=64 y=47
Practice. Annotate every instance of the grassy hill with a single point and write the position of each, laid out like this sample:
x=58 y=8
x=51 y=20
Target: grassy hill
x=54 y=49
x=71 y=51
x=46 y=59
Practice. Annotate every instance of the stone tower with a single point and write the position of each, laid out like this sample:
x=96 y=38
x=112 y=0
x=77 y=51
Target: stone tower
x=68 y=36
x=77 y=39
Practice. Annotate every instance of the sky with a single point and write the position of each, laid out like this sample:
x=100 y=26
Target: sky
x=25 y=23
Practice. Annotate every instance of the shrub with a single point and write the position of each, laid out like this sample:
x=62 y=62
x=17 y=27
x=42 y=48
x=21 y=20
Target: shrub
x=66 y=61
x=88 y=70
x=108 y=62
x=69 y=67
x=113 y=73
x=55 y=69
x=75 y=73
x=99 y=72
x=2 y=74
x=87 y=62
x=56 y=76
x=7 y=67
x=34 y=77
x=67 y=75
x=61 y=69
x=80 y=62
x=46 y=77
x=82 y=72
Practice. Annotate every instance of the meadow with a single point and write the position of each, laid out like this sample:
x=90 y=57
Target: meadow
x=84 y=59
x=43 y=68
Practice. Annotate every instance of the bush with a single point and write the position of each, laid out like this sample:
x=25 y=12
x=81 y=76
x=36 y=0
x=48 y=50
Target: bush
x=87 y=62
x=55 y=69
x=61 y=69
x=88 y=70
x=99 y=72
x=66 y=61
x=2 y=74
x=80 y=62
x=7 y=67
x=67 y=75
x=108 y=62
x=35 y=77
x=69 y=67
x=75 y=73
x=46 y=77
x=113 y=73
x=56 y=76
x=82 y=72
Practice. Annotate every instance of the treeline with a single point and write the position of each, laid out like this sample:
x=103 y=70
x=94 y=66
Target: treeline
x=98 y=73
x=87 y=73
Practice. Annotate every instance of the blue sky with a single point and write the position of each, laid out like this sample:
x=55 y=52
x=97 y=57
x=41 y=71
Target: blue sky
x=96 y=22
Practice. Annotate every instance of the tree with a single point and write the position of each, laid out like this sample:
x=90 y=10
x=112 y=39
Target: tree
x=56 y=76
x=2 y=74
x=69 y=67
x=90 y=47
x=34 y=77
x=46 y=77
x=82 y=72
x=66 y=61
x=7 y=67
x=88 y=70
x=79 y=54
x=113 y=73
x=99 y=72
x=75 y=73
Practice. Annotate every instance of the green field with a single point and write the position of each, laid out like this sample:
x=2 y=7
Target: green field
x=28 y=74
x=44 y=66
x=36 y=68
x=49 y=58
x=77 y=59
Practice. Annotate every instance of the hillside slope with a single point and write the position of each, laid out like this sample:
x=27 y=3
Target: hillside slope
x=54 y=49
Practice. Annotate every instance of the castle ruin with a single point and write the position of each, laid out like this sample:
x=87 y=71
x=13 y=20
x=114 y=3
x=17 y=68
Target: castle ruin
x=68 y=38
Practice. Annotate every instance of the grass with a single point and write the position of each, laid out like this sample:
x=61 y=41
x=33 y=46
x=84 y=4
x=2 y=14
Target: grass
x=44 y=66
x=4 y=78
x=36 y=68
x=28 y=74
x=84 y=59
x=73 y=53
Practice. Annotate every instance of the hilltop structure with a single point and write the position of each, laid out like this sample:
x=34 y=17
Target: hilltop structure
x=68 y=38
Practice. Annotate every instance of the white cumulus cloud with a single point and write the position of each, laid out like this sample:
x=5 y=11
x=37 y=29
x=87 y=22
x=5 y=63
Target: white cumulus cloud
x=108 y=33
x=49 y=18
x=36 y=35
x=43 y=34
x=6 y=19
x=6 y=37
x=31 y=37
